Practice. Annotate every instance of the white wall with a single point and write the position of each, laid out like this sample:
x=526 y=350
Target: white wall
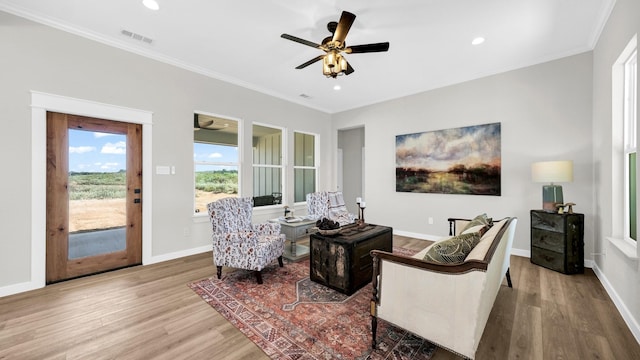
x=39 y=58
x=618 y=272
x=545 y=112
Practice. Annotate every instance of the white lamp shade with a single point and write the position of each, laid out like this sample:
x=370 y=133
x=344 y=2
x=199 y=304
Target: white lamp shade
x=552 y=171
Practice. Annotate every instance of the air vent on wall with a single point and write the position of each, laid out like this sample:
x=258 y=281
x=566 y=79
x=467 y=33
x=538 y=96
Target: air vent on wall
x=135 y=36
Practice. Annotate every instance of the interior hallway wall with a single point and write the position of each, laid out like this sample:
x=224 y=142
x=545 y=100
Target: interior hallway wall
x=351 y=141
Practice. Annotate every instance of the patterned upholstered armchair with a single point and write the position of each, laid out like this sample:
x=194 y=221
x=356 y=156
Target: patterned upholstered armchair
x=240 y=244
x=330 y=205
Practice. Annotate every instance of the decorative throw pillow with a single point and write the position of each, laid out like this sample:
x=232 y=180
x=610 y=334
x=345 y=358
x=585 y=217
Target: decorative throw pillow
x=481 y=219
x=478 y=228
x=453 y=250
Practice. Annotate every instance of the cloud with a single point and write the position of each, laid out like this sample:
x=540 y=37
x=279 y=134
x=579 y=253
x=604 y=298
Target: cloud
x=109 y=166
x=215 y=155
x=81 y=149
x=119 y=148
x=101 y=134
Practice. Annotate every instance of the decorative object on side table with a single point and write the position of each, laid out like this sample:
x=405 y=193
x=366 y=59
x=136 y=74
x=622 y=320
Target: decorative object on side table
x=552 y=172
x=361 y=222
x=557 y=241
x=328 y=227
x=561 y=207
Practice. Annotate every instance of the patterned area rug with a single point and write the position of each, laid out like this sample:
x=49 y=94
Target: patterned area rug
x=291 y=317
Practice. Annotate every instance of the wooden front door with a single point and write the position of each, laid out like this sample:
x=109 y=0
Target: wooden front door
x=94 y=195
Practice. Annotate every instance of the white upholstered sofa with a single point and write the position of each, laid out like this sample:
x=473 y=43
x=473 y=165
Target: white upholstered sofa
x=445 y=304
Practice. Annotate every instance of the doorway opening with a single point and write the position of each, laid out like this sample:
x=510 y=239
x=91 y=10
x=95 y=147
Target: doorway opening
x=351 y=163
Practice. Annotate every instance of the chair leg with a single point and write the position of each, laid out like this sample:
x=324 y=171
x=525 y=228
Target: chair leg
x=509 y=278
x=258 y=276
x=280 y=261
x=374 y=328
x=219 y=271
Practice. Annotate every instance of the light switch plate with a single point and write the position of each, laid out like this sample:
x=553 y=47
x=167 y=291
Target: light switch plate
x=162 y=170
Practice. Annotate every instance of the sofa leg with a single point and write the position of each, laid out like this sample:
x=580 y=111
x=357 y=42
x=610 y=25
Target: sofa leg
x=509 y=278
x=219 y=268
x=280 y=261
x=259 y=276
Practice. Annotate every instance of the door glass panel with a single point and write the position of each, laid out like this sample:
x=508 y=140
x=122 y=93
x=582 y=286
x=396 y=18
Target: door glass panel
x=97 y=193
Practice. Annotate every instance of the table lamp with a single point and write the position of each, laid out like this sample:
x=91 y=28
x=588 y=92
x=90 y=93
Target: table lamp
x=552 y=172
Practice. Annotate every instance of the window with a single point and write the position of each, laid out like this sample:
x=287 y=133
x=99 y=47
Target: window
x=216 y=160
x=630 y=130
x=268 y=166
x=304 y=165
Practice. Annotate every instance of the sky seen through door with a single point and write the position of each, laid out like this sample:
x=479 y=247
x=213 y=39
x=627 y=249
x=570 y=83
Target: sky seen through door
x=91 y=151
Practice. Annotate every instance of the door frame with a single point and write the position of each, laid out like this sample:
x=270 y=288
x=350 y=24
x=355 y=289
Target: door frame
x=40 y=104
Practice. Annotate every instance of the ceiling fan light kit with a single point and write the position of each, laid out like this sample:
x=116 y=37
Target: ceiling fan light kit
x=333 y=62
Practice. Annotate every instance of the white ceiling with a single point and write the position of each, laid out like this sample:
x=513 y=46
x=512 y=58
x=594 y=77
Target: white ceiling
x=430 y=40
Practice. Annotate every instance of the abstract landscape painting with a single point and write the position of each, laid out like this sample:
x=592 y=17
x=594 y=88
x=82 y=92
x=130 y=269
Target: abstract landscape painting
x=463 y=160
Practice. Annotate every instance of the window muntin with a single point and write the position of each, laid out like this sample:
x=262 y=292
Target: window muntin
x=304 y=166
x=216 y=161
x=268 y=168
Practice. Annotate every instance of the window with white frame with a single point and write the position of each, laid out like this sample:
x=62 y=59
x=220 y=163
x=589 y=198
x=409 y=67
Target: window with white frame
x=268 y=168
x=630 y=144
x=304 y=165
x=216 y=160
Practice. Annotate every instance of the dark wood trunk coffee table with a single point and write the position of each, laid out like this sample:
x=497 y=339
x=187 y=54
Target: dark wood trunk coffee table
x=342 y=261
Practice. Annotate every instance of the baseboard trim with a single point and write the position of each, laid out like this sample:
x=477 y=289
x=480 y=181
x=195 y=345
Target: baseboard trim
x=178 y=254
x=617 y=301
x=19 y=288
x=416 y=235
x=521 y=253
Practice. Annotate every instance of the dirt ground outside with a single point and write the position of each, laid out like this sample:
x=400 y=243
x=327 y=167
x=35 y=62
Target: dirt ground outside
x=203 y=198
x=108 y=213
x=96 y=214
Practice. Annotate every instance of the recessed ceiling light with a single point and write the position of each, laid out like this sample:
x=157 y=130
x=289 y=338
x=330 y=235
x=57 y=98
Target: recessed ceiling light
x=336 y=87
x=477 y=41
x=151 y=4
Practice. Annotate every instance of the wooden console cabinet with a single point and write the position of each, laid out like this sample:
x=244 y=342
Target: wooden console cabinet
x=342 y=262
x=557 y=241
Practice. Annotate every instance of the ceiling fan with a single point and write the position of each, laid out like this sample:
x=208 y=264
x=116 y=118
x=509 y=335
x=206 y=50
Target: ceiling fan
x=208 y=122
x=334 y=62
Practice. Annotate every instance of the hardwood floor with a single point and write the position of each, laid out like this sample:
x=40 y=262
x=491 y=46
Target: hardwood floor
x=149 y=312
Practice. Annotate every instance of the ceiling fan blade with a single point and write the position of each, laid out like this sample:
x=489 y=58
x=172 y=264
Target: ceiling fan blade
x=301 y=41
x=367 y=48
x=315 y=59
x=346 y=20
x=349 y=69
